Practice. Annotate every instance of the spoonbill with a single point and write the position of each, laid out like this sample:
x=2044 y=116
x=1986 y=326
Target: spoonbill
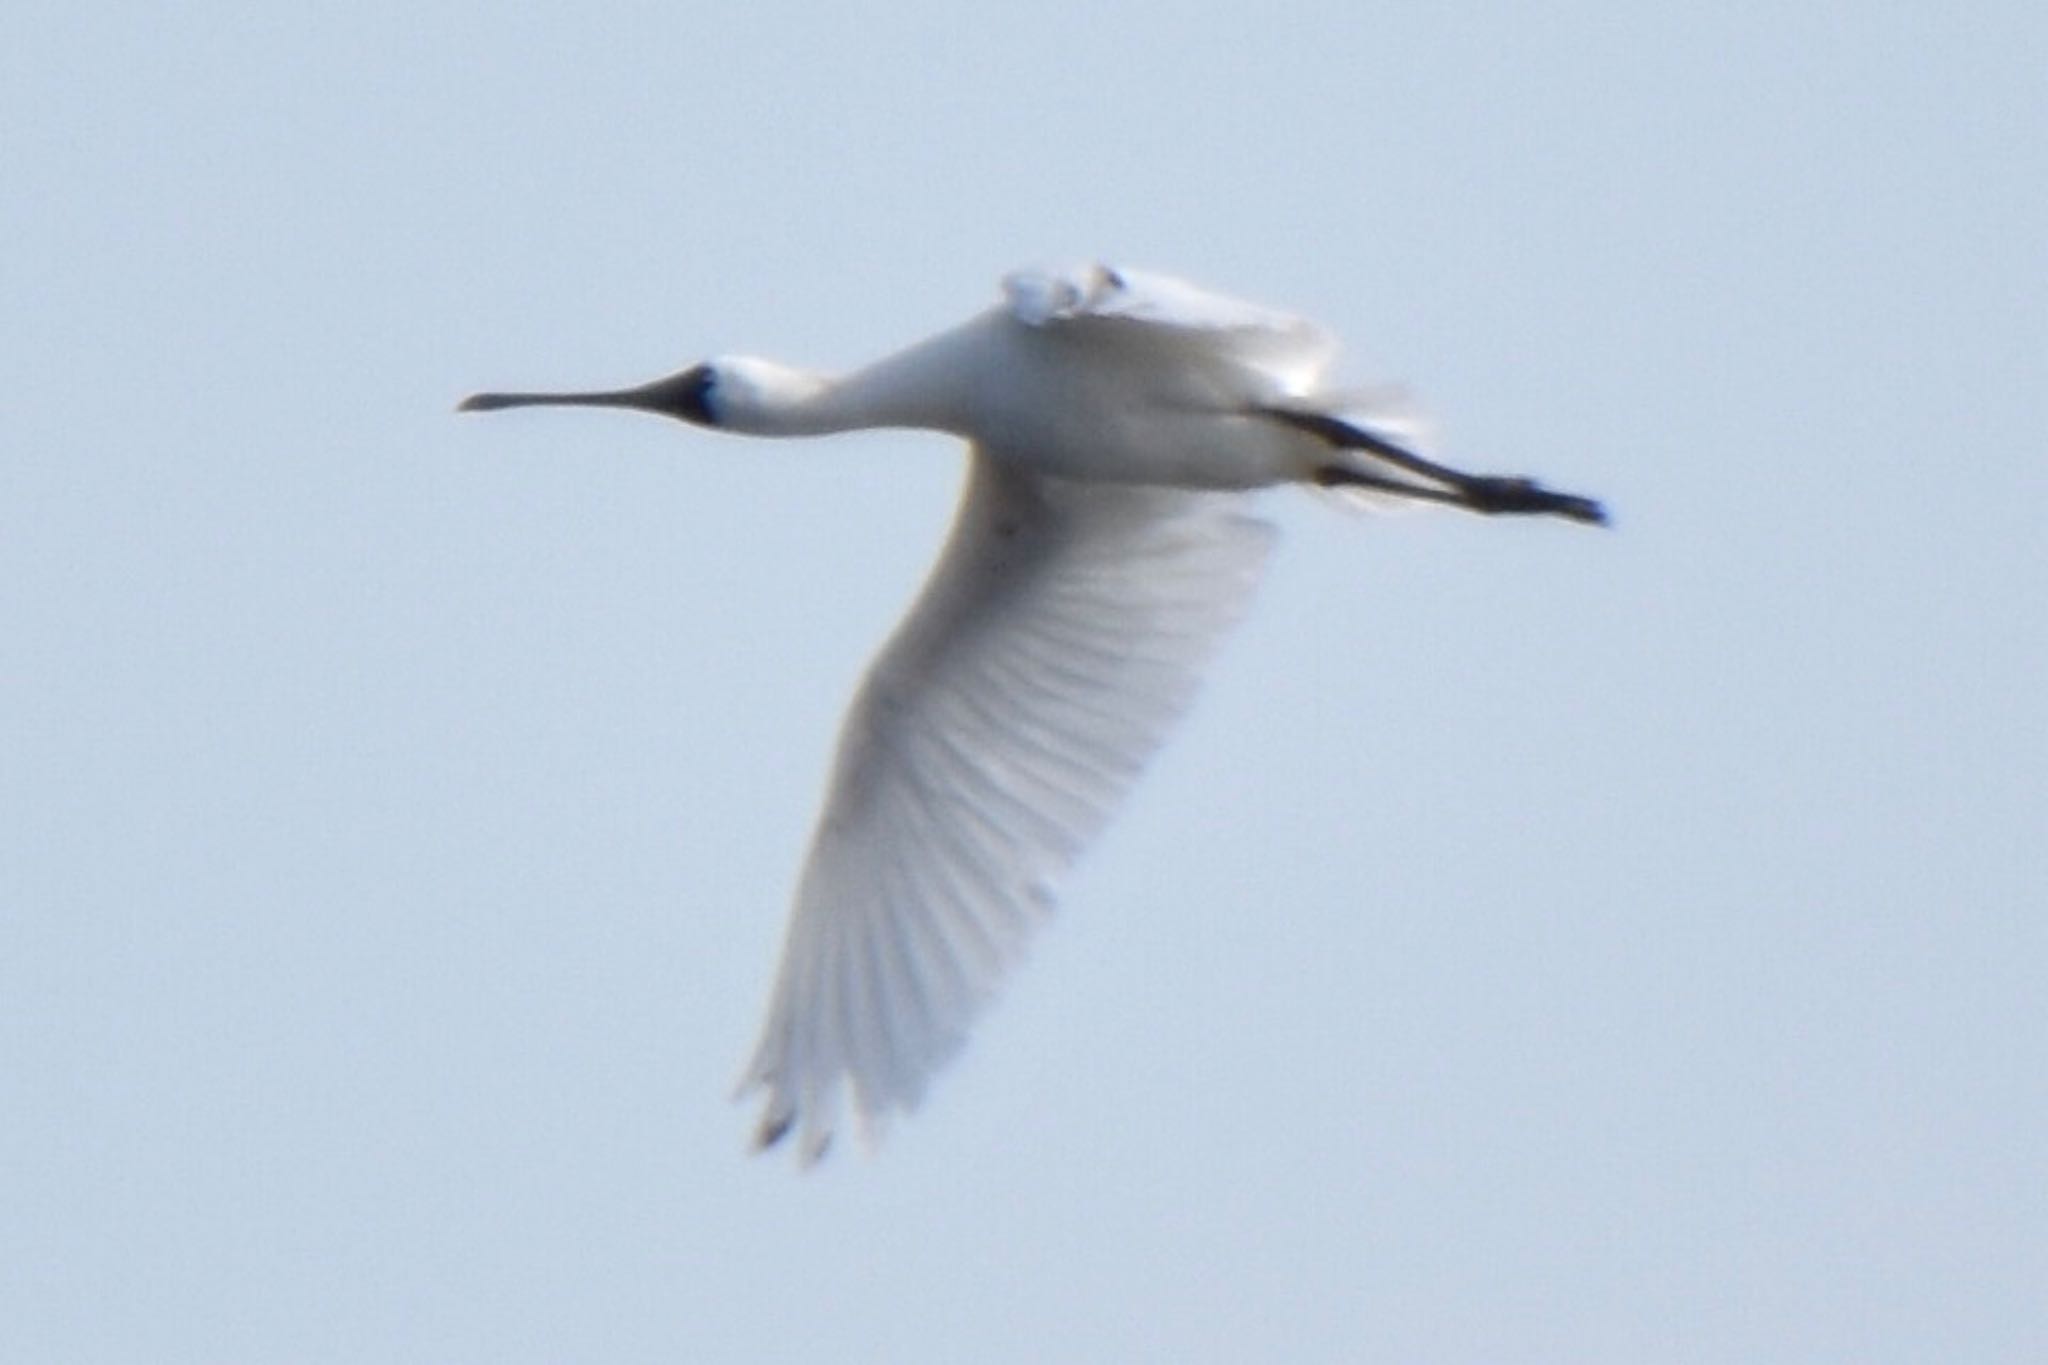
x=1116 y=419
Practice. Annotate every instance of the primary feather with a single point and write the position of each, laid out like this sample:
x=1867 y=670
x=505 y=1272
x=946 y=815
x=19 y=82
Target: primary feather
x=1061 y=632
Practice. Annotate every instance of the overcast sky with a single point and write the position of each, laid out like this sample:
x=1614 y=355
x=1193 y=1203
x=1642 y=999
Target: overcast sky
x=1539 y=944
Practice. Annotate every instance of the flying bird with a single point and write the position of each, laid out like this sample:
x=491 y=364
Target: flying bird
x=1116 y=419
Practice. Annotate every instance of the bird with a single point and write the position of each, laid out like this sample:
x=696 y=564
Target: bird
x=1117 y=422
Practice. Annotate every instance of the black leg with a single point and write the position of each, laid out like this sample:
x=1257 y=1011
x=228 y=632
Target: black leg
x=1492 y=494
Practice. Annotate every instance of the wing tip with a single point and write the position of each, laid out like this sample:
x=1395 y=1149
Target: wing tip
x=815 y=1118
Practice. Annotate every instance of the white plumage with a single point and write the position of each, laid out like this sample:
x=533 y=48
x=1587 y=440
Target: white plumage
x=1101 y=551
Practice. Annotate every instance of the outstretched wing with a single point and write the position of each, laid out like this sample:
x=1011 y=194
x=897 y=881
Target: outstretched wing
x=1139 y=301
x=1059 y=636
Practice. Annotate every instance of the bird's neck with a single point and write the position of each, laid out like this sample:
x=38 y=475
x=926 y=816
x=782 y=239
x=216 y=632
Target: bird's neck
x=919 y=387
x=762 y=398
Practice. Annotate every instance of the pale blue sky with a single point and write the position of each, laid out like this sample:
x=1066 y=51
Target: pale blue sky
x=1539 y=944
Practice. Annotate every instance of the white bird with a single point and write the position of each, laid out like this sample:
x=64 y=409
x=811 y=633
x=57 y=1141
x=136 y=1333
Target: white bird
x=1100 y=552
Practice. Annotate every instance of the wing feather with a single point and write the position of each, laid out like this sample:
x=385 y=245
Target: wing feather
x=1141 y=303
x=1060 y=635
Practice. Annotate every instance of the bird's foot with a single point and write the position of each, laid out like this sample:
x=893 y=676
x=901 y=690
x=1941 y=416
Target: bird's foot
x=1497 y=495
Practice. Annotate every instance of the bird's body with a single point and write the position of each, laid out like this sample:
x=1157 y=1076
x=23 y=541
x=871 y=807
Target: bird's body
x=1100 y=553
x=1071 y=376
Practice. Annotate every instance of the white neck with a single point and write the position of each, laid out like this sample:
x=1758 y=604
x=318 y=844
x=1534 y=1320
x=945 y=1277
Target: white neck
x=917 y=387
x=764 y=398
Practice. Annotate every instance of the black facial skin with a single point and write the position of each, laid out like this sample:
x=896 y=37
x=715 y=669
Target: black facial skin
x=686 y=395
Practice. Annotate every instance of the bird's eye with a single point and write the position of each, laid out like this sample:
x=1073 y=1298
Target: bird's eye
x=693 y=388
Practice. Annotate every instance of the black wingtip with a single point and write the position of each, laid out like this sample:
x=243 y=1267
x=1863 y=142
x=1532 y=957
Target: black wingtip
x=773 y=1129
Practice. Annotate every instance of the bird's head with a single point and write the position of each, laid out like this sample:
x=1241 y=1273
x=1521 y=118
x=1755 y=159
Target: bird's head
x=733 y=393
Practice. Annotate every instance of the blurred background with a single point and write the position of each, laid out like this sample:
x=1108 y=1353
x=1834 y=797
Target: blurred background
x=1538 y=945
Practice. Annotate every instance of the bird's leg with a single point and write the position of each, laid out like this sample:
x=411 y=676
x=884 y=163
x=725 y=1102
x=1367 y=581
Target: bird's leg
x=1343 y=476
x=1491 y=494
